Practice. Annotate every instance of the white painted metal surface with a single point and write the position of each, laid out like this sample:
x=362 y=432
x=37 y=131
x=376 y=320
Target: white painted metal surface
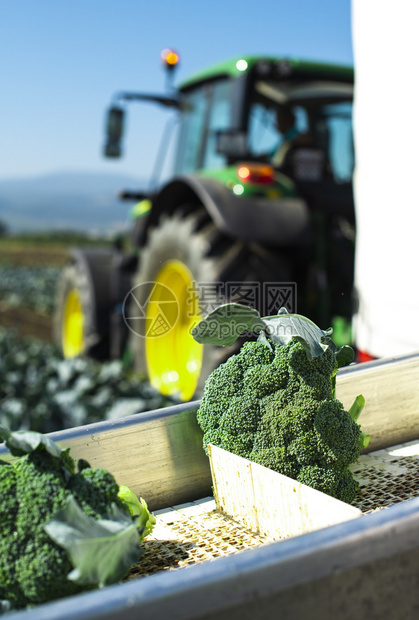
x=269 y=503
x=386 y=135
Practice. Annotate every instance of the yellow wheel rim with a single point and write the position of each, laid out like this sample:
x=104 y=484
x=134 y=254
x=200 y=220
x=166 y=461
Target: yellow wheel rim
x=73 y=325
x=174 y=358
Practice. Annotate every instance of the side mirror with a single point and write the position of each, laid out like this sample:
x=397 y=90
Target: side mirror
x=232 y=143
x=114 y=132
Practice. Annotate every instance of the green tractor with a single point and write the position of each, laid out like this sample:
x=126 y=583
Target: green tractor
x=249 y=215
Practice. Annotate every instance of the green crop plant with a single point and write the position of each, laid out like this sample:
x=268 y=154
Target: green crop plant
x=275 y=403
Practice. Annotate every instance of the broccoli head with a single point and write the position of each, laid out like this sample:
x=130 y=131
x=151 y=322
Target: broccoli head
x=275 y=405
x=41 y=486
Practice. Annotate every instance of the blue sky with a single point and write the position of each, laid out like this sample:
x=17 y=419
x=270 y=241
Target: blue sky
x=61 y=61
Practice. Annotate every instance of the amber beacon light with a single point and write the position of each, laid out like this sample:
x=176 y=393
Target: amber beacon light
x=170 y=59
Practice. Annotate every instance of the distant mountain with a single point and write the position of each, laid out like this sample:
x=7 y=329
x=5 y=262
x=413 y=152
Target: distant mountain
x=66 y=201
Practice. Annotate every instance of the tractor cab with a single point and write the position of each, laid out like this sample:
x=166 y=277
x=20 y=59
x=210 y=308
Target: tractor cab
x=232 y=115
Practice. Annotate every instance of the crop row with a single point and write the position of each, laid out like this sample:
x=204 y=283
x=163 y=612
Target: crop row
x=32 y=287
x=40 y=391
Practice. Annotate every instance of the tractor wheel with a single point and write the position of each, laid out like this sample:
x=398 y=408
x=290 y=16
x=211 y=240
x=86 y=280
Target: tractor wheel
x=82 y=309
x=182 y=272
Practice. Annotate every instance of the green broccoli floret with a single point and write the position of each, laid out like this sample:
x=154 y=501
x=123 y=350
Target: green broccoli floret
x=231 y=421
x=271 y=404
x=95 y=490
x=34 y=567
x=36 y=490
x=8 y=512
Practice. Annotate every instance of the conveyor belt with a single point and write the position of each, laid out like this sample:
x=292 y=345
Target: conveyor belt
x=387 y=477
x=191 y=533
x=196 y=532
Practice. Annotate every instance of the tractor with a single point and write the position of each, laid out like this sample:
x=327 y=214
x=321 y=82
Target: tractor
x=233 y=222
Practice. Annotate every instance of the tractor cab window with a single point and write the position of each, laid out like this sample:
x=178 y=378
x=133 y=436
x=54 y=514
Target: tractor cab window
x=194 y=114
x=333 y=130
x=219 y=119
x=321 y=122
x=206 y=110
x=263 y=134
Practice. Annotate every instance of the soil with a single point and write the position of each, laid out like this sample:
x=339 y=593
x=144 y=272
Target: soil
x=27 y=322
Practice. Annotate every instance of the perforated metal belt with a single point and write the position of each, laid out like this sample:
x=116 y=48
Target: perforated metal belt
x=196 y=532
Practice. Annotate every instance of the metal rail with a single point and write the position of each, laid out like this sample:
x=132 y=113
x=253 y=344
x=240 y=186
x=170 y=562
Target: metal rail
x=158 y=454
x=366 y=569
x=391 y=390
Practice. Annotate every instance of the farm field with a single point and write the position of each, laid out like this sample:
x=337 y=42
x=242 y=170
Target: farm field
x=38 y=389
x=29 y=270
x=28 y=281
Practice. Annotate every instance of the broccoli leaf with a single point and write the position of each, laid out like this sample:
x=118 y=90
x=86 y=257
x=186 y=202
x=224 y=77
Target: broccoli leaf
x=357 y=407
x=23 y=442
x=101 y=551
x=355 y=412
x=344 y=355
x=262 y=339
x=138 y=508
x=284 y=326
x=364 y=440
x=225 y=324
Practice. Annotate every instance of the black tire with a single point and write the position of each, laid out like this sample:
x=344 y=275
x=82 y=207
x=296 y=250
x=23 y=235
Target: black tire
x=212 y=260
x=88 y=279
